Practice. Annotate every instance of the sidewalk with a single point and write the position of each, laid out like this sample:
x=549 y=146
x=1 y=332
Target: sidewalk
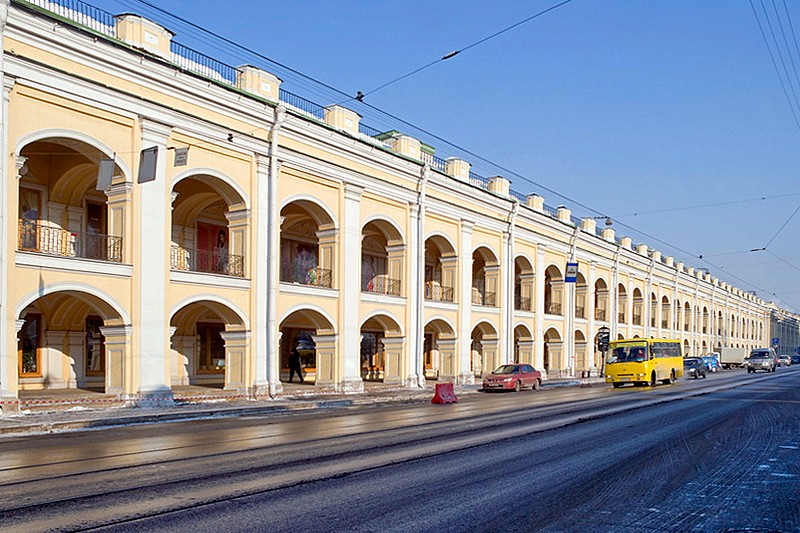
x=70 y=409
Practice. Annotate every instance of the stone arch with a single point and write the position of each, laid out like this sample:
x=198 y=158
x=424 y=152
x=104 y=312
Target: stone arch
x=75 y=140
x=552 y=356
x=210 y=343
x=524 y=344
x=553 y=291
x=230 y=191
x=382 y=257
x=72 y=335
x=484 y=354
x=312 y=331
x=382 y=354
x=439 y=349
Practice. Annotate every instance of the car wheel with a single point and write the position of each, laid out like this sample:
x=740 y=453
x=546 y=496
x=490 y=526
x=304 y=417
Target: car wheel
x=704 y=376
x=535 y=384
x=516 y=386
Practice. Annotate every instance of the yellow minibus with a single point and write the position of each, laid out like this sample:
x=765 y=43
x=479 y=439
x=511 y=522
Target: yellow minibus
x=643 y=361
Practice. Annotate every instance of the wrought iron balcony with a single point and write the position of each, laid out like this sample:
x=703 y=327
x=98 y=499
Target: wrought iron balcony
x=438 y=293
x=580 y=311
x=316 y=277
x=553 y=308
x=522 y=303
x=480 y=297
x=36 y=237
x=206 y=262
x=599 y=314
x=382 y=284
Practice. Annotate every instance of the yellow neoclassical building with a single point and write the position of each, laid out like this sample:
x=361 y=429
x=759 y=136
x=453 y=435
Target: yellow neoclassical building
x=170 y=220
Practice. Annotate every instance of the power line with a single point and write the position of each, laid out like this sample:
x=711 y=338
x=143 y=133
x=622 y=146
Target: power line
x=774 y=63
x=781 y=228
x=454 y=53
x=699 y=206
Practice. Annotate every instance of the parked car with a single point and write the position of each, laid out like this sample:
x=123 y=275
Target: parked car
x=761 y=359
x=712 y=363
x=796 y=359
x=513 y=377
x=784 y=360
x=694 y=367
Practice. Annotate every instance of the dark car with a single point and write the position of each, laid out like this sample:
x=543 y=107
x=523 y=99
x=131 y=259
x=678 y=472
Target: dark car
x=513 y=377
x=796 y=359
x=694 y=367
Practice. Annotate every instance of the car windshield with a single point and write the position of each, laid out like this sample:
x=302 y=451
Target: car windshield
x=756 y=355
x=507 y=369
x=628 y=353
x=692 y=361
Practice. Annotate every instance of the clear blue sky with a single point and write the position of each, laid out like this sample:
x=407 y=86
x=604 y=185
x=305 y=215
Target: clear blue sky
x=639 y=110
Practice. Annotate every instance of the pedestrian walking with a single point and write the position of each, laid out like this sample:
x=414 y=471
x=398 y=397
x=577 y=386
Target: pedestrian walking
x=294 y=365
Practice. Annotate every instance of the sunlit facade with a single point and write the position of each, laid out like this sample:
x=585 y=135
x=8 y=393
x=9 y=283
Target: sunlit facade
x=288 y=225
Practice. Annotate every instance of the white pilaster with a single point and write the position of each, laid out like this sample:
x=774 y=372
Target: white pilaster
x=152 y=268
x=350 y=290
x=538 y=332
x=8 y=338
x=465 y=375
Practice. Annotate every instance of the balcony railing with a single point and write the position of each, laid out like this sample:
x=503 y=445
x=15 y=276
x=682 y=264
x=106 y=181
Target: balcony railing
x=481 y=297
x=637 y=319
x=621 y=318
x=553 y=308
x=580 y=311
x=382 y=284
x=522 y=303
x=36 y=237
x=665 y=324
x=316 y=277
x=599 y=314
x=438 y=293
x=206 y=262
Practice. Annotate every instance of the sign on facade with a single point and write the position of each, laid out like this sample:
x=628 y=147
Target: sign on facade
x=181 y=157
x=775 y=341
x=572 y=273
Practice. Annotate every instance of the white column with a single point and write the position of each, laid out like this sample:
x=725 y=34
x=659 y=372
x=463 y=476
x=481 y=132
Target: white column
x=538 y=332
x=8 y=338
x=506 y=341
x=260 y=351
x=465 y=375
x=413 y=370
x=590 y=331
x=152 y=270
x=350 y=290
x=268 y=348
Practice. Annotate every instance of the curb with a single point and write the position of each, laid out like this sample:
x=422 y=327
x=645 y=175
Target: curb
x=287 y=404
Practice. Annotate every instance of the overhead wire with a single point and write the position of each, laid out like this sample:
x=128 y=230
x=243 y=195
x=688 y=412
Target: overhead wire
x=454 y=53
x=774 y=63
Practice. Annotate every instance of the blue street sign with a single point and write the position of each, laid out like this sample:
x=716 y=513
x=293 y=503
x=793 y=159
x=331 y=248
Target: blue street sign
x=572 y=273
x=775 y=341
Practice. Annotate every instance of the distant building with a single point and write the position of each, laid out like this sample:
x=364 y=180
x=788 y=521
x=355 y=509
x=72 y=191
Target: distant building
x=132 y=266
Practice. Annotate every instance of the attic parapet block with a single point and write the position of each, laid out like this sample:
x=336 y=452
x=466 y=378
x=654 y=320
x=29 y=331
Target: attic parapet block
x=679 y=266
x=258 y=82
x=589 y=225
x=499 y=185
x=407 y=145
x=535 y=202
x=608 y=234
x=145 y=34
x=690 y=271
x=563 y=213
x=669 y=261
x=656 y=255
x=342 y=119
x=626 y=242
x=641 y=249
x=457 y=168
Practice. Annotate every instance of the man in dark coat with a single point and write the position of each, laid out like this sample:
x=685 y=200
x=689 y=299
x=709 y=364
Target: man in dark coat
x=294 y=365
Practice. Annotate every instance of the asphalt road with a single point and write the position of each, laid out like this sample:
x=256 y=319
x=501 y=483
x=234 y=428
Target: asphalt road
x=721 y=454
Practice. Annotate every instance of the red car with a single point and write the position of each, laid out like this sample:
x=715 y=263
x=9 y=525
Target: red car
x=513 y=377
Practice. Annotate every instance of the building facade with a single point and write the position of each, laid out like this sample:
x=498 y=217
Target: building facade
x=170 y=220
